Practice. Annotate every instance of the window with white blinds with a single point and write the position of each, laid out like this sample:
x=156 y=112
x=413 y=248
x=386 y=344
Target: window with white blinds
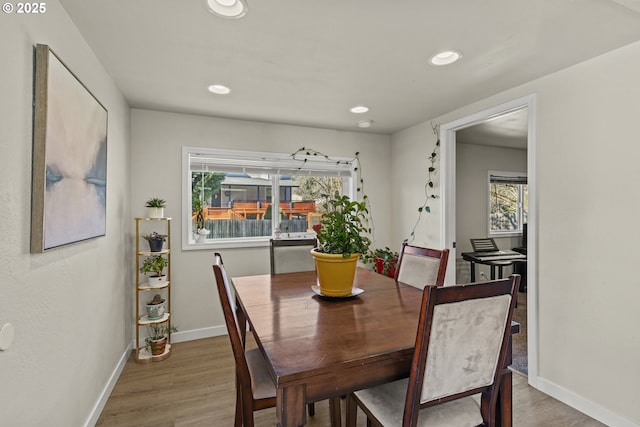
x=248 y=197
x=508 y=202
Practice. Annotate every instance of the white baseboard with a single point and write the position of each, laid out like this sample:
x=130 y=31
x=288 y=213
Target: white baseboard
x=106 y=391
x=196 y=334
x=583 y=405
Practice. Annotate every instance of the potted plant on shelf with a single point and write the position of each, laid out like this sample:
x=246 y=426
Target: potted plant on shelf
x=158 y=337
x=201 y=232
x=155 y=207
x=155 y=241
x=154 y=266
x=156 y=308
x=385 y=261
x=342 y=239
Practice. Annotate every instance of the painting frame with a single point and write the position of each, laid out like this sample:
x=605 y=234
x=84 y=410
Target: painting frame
x=69 y=159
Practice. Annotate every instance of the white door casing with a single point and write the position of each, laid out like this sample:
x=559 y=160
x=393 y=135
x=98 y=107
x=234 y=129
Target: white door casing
x=448 y=197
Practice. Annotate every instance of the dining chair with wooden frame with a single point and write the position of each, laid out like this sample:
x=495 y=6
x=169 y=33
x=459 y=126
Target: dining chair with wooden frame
x=255 y=389
x=292 y=255
x=419 y=266
x=254 y=386
x=460 y=353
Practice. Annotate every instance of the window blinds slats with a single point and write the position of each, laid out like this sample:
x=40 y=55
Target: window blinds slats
x=499 y=179
x=272 y=163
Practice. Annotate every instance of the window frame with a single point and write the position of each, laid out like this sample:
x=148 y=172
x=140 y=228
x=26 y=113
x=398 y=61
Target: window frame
x=276 y=164
x=512 y=233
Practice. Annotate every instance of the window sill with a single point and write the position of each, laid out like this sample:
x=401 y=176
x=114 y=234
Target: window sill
x=241 y=243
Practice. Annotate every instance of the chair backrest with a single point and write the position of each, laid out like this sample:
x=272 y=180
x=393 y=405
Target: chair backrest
x=461 y=344
x=292 y=255
x=484 y=245
x=229 y=309
x=419 y=267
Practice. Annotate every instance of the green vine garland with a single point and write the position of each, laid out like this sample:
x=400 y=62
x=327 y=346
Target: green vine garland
x=308 y=152
x=429 y=186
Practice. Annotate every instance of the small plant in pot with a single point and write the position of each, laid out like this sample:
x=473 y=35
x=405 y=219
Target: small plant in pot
x=385 y=261
x=155 y=241
x=155 y=207
x=156 y=308
x=342 y=239
x=201 y=232
x=159 y=333
x=154 y=266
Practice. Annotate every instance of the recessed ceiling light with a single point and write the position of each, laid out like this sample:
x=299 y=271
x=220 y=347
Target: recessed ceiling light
x=365 y=123
x=219 y=89
x=359 y=109
x=227 y=8
x=445 y=57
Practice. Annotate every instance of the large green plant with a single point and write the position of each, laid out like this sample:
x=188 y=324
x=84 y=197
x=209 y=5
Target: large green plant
x=343 y=229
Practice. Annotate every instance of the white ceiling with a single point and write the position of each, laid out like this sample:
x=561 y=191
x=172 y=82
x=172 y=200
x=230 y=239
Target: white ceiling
x=507 y=130
x=307 y=62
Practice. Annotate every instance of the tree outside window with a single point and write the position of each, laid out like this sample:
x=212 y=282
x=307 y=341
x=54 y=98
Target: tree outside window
x=508 y=202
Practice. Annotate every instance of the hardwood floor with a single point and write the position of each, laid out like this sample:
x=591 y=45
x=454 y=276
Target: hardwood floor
x=195 y=387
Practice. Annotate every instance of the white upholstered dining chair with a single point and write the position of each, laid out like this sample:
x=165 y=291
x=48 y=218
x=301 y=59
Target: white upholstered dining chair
x=292 y=255
x=419 y=267
x=459 y=356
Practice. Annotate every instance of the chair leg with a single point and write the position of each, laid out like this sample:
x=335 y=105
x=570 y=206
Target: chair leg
x=311 y=408
x=245 y=407
x=238 y=419
x=247 y=417
x=352 y=411
x=334 y=412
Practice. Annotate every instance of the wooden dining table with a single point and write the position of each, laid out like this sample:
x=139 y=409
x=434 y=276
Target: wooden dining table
x=318 y=347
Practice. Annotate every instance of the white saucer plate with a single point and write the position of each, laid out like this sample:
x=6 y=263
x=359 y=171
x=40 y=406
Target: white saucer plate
x=354 y=292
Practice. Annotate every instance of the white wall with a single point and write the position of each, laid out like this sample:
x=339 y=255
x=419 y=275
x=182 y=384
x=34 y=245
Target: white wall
x=588 y=292
x=411 y=149
x=159 y=137
x=473 y=162
x=70 y=306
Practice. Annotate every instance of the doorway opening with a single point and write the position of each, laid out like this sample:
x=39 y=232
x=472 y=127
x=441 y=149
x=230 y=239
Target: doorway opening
x=460 y=204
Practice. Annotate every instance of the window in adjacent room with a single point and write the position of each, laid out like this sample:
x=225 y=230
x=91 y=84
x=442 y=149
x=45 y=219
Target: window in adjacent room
x=508 y=202
x=248 y=197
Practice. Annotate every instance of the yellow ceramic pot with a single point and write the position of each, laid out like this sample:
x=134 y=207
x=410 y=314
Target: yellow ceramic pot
x=335 y=273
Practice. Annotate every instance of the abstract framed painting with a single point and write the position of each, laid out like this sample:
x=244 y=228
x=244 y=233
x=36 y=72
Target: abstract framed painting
x=69 y=175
